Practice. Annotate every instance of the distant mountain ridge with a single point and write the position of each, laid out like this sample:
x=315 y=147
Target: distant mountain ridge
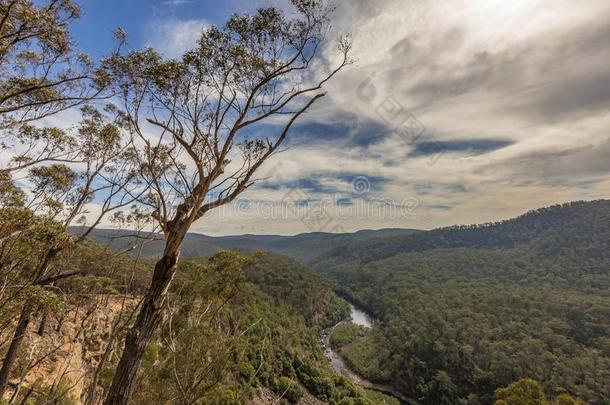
x=304 y=247
x=550 y=228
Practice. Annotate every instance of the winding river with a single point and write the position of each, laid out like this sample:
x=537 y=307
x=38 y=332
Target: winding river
x=358 y=317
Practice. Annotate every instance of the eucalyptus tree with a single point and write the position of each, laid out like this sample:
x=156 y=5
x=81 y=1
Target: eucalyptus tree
x=40 y=72
x=193 y=122
x=59 y=195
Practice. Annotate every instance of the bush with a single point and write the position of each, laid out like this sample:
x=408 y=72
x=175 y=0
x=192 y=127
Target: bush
x=289 y=389
x=346 y=333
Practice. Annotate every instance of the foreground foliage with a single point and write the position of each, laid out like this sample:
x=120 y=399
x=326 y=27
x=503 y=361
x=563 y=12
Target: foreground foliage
x=234 y=325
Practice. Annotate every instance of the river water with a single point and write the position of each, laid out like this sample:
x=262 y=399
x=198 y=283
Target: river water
x=358 y=317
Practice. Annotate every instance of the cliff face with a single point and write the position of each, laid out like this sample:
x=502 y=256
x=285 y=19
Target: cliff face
x=69 y=358
x=66 y=358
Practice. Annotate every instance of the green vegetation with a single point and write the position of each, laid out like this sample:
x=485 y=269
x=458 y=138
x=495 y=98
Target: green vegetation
x=234 y=324
x=529 y=392
x=359 y=351
x=248 y=322
x=346 y=333
x=366 y=357
x=464 y=310
x=292 y=283
x=379 y=398
x=501 y=313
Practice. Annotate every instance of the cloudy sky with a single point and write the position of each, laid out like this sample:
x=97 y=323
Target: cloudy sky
x=460 y=111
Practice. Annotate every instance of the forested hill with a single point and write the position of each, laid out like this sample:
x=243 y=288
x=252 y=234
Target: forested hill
x=237 y=329
x=463 y=311
x=261 y=347
x=581 y=227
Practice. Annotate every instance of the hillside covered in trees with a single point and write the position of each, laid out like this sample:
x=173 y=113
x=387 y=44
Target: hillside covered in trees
x=462 y=311
x=236 y=333
x=239 y=329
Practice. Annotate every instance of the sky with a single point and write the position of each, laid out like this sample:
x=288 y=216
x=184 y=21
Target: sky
x=463 y=111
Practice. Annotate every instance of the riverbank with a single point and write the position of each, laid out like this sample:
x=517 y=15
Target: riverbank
x=340 y=367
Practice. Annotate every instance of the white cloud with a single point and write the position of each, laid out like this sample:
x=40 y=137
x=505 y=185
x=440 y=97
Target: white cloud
x=522 y=71
x=171 y=37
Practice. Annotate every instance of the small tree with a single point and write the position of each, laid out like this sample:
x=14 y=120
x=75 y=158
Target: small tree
x=523 y=392
x=190 y=118
x=527 y=391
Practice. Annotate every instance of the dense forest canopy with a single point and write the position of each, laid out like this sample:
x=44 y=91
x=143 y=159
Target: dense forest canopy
x=464 y=310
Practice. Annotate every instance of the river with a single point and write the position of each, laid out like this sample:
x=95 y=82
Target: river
x=358 y=317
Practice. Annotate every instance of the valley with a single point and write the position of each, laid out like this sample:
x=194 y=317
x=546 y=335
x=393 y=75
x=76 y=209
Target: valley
x=447 y=316
x=304 y=202
x=463 y=310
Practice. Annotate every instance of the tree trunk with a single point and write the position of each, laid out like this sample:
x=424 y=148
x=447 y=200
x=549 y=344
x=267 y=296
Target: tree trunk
x=22 y=325
x=13 y=350
x=140 y=334
x=42 y=327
